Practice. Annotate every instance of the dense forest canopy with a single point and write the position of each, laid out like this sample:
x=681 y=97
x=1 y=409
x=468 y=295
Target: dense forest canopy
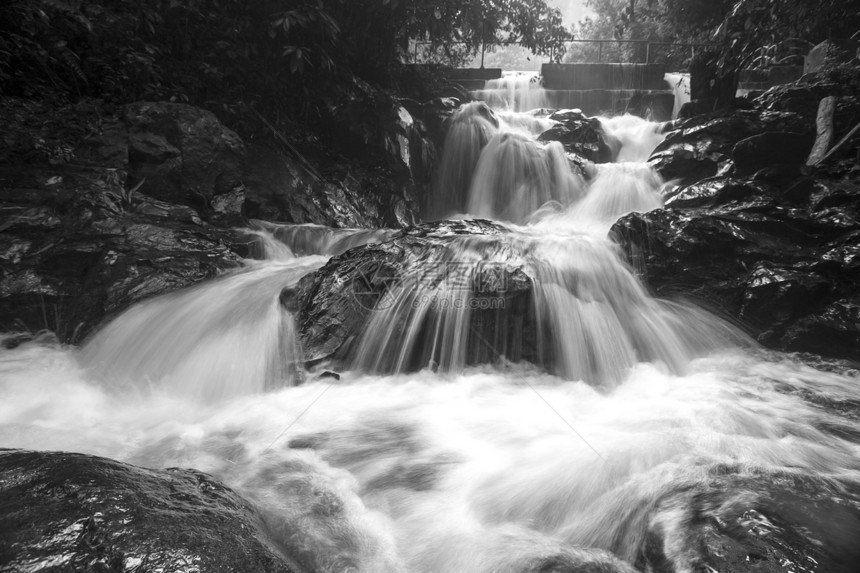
x=229 y=55
x=740 y=29
x=237 y=50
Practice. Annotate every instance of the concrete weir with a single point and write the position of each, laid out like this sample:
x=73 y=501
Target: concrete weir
x=608 y=88
x=596 y=89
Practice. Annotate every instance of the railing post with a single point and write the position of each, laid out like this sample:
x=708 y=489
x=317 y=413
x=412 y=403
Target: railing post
x=648 y=53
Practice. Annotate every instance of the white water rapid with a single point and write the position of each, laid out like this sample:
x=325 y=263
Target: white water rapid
x=650 y=426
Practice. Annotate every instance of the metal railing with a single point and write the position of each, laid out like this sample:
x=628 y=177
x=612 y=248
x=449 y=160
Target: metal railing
x=648 y=44
x=600 y=47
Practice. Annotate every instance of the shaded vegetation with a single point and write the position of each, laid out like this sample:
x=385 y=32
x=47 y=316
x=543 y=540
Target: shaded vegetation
x=232 y=55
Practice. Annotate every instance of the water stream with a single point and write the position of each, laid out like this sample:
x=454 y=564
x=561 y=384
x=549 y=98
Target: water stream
x=657 y=420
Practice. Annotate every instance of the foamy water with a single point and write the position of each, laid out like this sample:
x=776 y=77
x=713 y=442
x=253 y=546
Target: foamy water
x=481 y=471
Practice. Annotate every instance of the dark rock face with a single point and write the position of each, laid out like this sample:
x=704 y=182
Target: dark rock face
x=182 y=154
x=76 y=247
x=371 y=174
x=345 y=194
x=781 y=257
x=771 y=149
x=73 y=512
x=582 y=135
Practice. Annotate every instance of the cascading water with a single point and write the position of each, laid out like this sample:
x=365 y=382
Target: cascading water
x=514 y=91
x=680 y=86
x=583 y=426
x=514 y=177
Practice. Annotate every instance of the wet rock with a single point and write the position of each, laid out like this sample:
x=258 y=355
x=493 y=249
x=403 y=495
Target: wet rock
x=703 y=146
x=582 y=135
x=76 y=247
x=344 y=194
x=780 y=258
x=837 y=325
x=74 y=512
x=801 y=97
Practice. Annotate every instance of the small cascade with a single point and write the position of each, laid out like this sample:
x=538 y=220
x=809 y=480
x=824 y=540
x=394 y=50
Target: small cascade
x=470 y=130
x=615 y=190
x=223 y=338
x=287 y=240
x=514 y=91
x=680 y=85
x=598 y=321
x=530 y=124
x=638 y=137
x=267 y=247
x=514 y=177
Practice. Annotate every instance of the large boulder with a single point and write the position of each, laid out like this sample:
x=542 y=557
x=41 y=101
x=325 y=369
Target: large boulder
x=73 y=512
x=335 y=305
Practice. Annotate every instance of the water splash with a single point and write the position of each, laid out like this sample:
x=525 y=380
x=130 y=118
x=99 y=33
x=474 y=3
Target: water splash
x=616 y=189
x=638 y=137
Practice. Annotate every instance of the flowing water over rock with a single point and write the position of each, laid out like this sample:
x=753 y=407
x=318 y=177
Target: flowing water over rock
x=559 y=420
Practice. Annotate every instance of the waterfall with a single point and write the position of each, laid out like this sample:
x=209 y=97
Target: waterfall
x=519 y=401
